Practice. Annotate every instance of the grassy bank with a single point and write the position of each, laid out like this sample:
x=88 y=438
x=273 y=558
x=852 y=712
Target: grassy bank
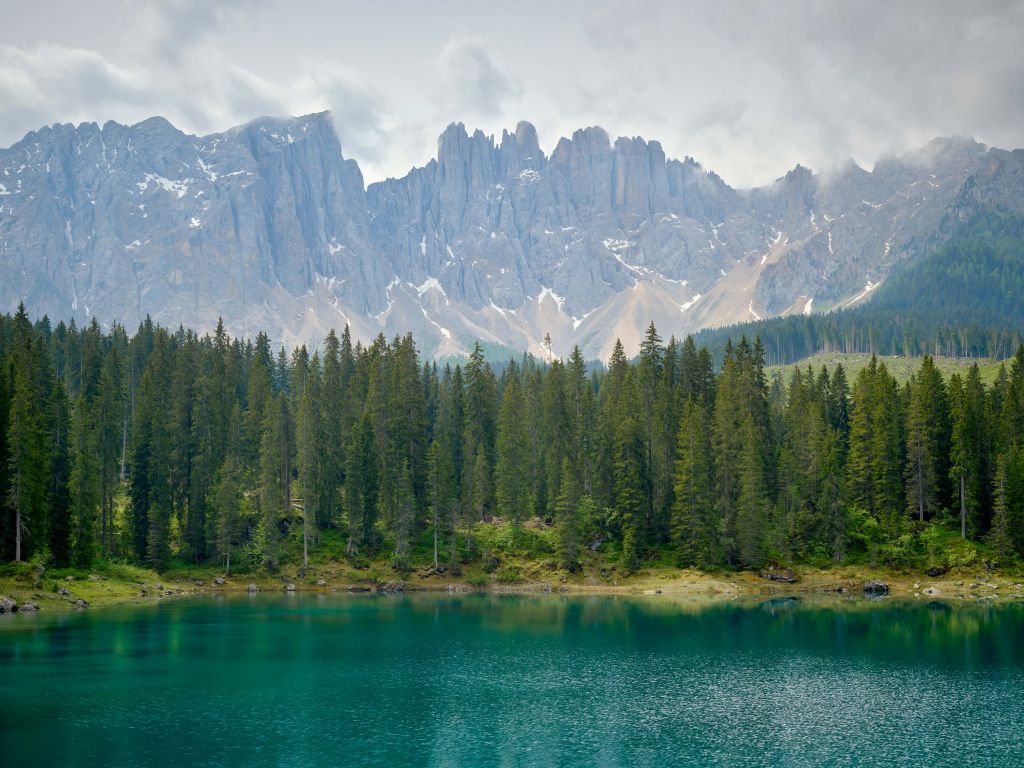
x=508 y=561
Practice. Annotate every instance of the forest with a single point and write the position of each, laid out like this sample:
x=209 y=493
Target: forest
x=167 y=446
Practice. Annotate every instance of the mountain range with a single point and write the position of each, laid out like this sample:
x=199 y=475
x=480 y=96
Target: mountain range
x=268 y=226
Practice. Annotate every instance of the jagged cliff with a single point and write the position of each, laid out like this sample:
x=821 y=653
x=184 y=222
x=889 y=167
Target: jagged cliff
x=268 y=226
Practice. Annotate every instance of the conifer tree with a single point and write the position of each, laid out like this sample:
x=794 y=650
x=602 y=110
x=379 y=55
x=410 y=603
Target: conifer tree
x=513 y=469
x=226 y=501
x=26 y=461
x=693 y=526
x=567 y=520
x=85 y=492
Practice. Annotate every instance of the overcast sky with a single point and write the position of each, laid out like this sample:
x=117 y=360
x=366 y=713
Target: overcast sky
x=747 y=88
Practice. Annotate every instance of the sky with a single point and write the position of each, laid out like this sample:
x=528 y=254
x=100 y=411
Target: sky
x=749 y=89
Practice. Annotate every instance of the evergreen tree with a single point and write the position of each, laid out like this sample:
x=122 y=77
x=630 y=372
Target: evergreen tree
x=227 y=503
x=693 y=527
x=513 y=470
x=567 y=518
x=85 y=492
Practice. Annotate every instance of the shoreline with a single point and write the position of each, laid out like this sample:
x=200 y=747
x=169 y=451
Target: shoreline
x=841 y=584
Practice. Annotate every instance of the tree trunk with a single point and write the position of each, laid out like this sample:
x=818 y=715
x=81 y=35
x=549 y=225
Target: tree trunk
x=227 y=564
x=305 y=538
x=435 y=539
x=17 y=535
x=963 y=510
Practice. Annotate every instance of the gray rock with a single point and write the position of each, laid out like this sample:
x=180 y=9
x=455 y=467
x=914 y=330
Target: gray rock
x=63 y=591
x=82 y=603
x=876 y=588
x=785 y=575
x=219 y=581
x=321 y=582
x=932 y=591
x=270 y=226
x=252 y=588
x=28 y=607
x=289 y=588
x=8 y=605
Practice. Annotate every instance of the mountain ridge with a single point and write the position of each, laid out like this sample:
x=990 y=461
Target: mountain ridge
x=269 y=226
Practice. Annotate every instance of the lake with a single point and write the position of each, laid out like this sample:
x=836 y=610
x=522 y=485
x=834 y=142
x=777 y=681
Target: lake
x=480 y=680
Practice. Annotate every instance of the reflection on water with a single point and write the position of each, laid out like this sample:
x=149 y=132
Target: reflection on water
x=483 y=680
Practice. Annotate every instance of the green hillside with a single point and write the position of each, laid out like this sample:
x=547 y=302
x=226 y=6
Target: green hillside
x=901 y=367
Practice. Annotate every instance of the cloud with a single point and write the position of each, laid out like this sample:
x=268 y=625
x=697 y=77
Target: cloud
x=748 y=89
x=472 y=83
x=39 y=84
x=358 y=113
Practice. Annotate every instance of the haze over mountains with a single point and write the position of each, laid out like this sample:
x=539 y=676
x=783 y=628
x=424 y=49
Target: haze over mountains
x=269 y=226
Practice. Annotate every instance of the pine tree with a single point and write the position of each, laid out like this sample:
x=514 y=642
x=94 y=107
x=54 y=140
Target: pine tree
x=968 y=445
x=692 y=525
x=360 y=488
x=309 y=450
x=926 y=419
x=628 y=483
x=442 y=494
x=26 y=462
x=85 y=492
x=1000 y=536
x=752 y=503
x=513 y=470
x=567 y=521
x=226 y=501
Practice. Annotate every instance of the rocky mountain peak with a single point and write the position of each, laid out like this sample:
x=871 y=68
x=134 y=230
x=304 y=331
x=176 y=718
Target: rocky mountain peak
x=269 y=226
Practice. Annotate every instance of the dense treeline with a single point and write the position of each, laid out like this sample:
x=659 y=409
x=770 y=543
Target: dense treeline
x=960 y=299
x=169 y=445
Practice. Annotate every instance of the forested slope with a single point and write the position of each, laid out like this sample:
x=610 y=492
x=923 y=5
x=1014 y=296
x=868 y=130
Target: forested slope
x=964 y=297
x=165 y=446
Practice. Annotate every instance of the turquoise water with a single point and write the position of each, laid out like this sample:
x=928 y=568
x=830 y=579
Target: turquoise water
x=338 y=680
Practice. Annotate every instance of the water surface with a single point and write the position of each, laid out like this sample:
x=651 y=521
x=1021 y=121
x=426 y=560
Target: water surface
x=339 y=680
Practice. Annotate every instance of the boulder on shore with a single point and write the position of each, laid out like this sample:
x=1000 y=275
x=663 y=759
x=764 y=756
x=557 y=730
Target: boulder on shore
x=358 y=588
x=82 y=603
x=28 y=607
x=7 y=605
x=392 y=587
x=321 y=582
x=252 y=588
x=876 y=588
x=63 y=591
x=937 y=570
x=289 y=588
x=785 y=575
x=219 y=581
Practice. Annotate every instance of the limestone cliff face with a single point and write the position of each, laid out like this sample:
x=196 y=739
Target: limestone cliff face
x=270 y=227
